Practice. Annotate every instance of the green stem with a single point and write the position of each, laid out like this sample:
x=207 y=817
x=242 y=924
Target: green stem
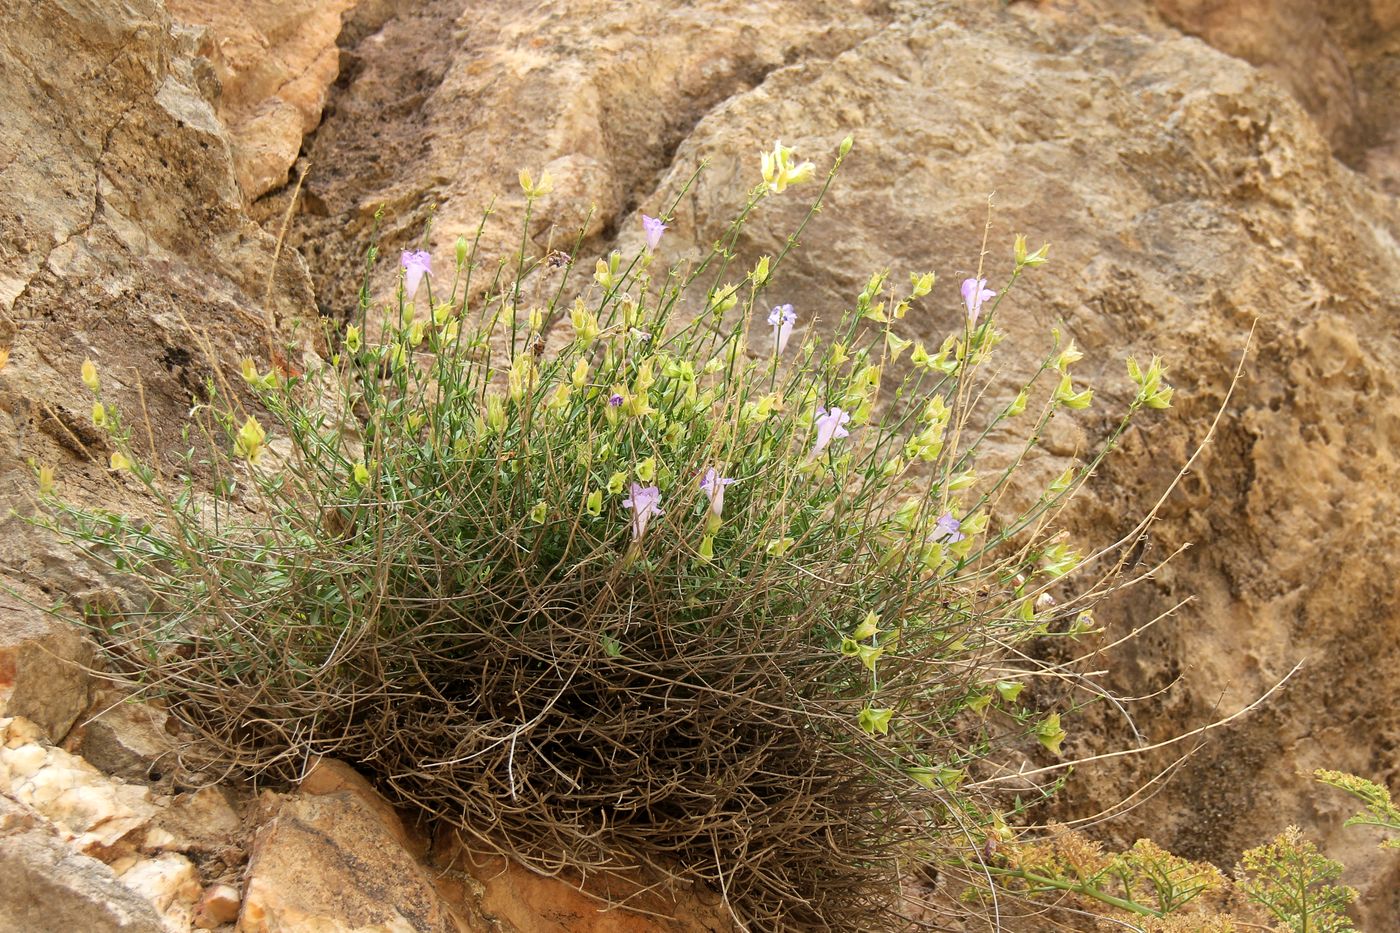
x=1074 y=887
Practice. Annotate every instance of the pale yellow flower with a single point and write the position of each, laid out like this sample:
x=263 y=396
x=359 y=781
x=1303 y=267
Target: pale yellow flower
x=780 y=169
x=249 y=443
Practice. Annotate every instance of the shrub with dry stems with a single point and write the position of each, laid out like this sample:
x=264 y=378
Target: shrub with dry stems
x=610 y=580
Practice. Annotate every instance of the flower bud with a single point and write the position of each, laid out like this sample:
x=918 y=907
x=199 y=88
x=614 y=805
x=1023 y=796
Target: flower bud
x=922 y=284
x=1017 y=405
x=90 y=375
x=869 y=626
x=726 y=298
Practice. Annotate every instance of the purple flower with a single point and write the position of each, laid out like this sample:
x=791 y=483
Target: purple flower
x=714 y=484
x=781 y=319
x=948 y=529
x=654 y=228
x=829 y=426
x=416 y=264
x=974 y=292
x=644 y=502
x=615 y=400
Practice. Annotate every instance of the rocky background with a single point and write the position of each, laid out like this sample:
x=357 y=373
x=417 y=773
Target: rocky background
x=1202 y=168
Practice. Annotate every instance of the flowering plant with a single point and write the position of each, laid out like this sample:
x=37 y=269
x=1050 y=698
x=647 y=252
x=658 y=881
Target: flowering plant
x=460 y=573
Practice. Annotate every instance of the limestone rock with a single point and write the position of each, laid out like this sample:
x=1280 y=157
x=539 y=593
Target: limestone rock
x=72 y=810
x=1186 y=196
x=1340 y=60
x=126 y=241
x=49 y=888
x=128 y=739
x=170 y=883
x=103 y=817
x=42 y=669
x=274 y=62
x=147 y=842
x=593 y=90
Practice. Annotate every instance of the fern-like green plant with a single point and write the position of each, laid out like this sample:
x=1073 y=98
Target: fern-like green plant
x=1146 y=880
x=1380 y=809
x=1297 y=884
x=1151 y=875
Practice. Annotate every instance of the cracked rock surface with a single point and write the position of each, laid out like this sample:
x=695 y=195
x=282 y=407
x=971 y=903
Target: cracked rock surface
x=125 y=240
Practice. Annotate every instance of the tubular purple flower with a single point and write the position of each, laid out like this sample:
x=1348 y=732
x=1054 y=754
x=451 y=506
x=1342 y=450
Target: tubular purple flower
x=713 y=484
x=948 y=529
x=615 y=400
x=654 y=228
x=416 y=263
x=645 y=503
x=781 y=319
x=975 y=292
x=830 y=427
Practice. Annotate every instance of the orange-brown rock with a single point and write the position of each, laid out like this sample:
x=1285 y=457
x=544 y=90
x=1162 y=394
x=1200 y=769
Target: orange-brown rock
x=332 y=862
x=328 y=776
x=503 y=894
x=1338 y=59
x=218 y=905
x=335 y=857
x=274 y=61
